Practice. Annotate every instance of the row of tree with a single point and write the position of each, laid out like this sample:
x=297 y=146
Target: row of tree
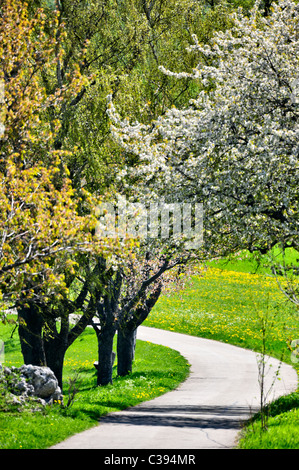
x=59 y=61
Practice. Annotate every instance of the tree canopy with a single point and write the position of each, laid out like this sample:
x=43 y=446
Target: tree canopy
x=39 y=221
x=235 y=147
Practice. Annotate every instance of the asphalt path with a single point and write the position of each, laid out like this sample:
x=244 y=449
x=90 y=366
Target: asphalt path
x=205 y=412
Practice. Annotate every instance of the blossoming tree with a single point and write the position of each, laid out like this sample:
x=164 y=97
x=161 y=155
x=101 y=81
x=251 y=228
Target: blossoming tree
x=235 y=147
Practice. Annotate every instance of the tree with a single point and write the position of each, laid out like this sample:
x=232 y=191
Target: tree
x=165 y=28
x=118 y=47
x=46 y=226
x=65 y=56
x=145 y=282
x=56 y=339
x=126 y=302
x=235 y=147
x=37 y=223
x=39 y=213
x=136 y=282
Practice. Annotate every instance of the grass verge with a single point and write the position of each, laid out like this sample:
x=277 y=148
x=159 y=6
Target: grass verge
x=282 y=430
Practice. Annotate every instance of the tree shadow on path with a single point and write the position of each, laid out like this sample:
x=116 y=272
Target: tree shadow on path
x=214 y=417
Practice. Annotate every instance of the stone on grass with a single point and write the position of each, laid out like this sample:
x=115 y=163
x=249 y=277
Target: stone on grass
x=33 y=381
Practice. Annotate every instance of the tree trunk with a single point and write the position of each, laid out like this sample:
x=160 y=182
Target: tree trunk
x=267 y=7
x=127 y=331
x=30 y=334
x=42 y=344
x=105 y=356
x=107 y=307
x=55 y=345
x=126 y=342
x=55 y=353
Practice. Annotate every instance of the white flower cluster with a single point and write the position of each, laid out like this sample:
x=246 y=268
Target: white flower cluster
x=235 y=148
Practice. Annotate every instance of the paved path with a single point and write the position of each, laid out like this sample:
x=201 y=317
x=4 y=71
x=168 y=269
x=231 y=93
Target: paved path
x=205 y=411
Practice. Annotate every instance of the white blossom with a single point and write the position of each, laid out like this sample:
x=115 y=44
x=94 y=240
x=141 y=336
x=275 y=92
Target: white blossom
x=235 y=147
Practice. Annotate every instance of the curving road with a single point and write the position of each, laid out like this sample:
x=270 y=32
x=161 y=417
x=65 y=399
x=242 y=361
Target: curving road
x=204 y=412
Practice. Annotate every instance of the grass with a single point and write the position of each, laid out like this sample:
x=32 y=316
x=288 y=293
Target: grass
x=282 y=433
x=231 y=307
x=256 y=263
x=149 y=379
x=282 y=430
